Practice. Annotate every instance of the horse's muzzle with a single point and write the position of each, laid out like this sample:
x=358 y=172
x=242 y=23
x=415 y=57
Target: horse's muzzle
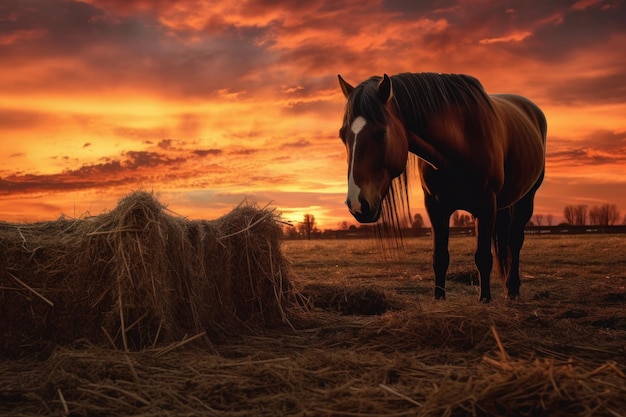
x=365 y=213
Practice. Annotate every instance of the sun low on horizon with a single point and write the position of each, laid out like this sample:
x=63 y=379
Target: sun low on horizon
x=208 y=104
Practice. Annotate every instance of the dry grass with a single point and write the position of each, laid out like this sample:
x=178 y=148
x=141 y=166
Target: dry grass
x=559 y=352
x=138 y=277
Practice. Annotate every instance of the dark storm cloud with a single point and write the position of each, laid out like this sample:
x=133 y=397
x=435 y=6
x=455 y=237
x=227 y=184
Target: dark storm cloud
x=127 y=43
x=133 y=49
x=579 y=30
x=555 y=28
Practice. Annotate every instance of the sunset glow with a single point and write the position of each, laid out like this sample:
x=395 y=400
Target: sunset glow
x=208 y=104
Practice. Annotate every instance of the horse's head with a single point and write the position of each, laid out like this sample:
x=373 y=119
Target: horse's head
x=377 y=145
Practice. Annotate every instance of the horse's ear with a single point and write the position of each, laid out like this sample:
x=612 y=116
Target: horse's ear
x=345 y=87
x=384 y=91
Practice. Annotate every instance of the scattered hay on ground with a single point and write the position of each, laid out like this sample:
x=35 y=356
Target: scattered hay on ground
x=425 y=358
x=325 y=371
x=366 y=301
x=139 y=277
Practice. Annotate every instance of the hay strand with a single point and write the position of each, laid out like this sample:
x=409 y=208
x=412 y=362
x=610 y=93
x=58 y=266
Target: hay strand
x=29 y=288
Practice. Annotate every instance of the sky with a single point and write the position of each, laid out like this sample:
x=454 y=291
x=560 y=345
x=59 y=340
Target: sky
x=211 y=103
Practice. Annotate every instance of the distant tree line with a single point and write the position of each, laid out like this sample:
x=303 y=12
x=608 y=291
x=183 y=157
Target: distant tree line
x=574 y=215
x=582 y=215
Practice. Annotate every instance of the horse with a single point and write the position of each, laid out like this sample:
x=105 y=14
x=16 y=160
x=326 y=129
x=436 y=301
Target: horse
x=478 y=152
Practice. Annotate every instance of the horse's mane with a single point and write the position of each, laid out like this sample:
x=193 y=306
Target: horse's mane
x=419 y=95
x=416 y=96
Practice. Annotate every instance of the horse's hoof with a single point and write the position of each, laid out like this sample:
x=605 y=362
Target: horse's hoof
x=513 y=297
x=438 y=297
x=485 y=300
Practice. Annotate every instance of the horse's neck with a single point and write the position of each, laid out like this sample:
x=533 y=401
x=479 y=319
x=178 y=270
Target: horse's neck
x=445 y=141
x=425 y=151
x=441 y=141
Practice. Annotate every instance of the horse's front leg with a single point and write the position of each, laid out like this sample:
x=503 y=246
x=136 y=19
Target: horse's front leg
x=483 y=257
x=441 y=257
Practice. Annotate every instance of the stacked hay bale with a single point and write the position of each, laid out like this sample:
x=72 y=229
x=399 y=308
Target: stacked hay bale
x=139 y=277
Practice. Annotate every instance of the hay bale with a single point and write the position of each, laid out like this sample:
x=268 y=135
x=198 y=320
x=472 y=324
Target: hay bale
x=139 y=277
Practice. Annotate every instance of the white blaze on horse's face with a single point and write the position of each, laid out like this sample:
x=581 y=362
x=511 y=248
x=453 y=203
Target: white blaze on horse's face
x=353 y=190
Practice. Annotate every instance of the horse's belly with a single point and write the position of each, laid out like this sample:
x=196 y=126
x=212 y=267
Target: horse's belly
x=522 y=172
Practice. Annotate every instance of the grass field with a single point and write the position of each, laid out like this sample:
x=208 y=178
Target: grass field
x=375 y=343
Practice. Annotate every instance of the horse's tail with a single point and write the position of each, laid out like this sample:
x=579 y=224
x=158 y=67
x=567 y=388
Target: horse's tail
x=501 y=243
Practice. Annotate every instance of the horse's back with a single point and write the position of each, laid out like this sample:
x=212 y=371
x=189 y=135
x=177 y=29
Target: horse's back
x=529 y=110
x=525 y=130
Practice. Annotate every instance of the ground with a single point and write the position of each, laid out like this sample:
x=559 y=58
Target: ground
x=372 y=341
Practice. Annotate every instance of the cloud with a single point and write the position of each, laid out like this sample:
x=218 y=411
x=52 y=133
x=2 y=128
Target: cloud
x=611 y=145
x=597 y=158
x=22 y=119
x=588 y=90
x=511 y=37
x=193 y=49
x=133 y=167
x=206 y=152
x=85 y=44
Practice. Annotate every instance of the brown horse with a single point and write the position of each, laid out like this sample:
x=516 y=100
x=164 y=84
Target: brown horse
x=481 y=153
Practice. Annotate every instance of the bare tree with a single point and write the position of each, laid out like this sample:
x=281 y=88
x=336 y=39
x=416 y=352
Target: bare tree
x=418 y=221
x=604 y=215
x=538 y=219
x=580 y=214
x=549 y=219
x=460 y=218
x=307 y=226
x=344 y=225
x=613 y=215
x=595 y=216
x=568 y=214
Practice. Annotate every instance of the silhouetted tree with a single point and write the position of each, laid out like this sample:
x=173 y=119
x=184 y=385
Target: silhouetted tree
x=307 y=226
x=568 y=214
x=575 y=215
x=604 y=215
x=418 y=221
x=549 y=219
x=538 y=219
x=580 y=217
x=290 y=231
x=461 y=219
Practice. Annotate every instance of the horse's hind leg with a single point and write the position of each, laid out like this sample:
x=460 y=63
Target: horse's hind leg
x=522 y=213
x=440 y=221
x=483 y=256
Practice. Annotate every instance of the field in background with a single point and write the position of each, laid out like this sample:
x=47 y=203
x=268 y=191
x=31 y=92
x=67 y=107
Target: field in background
x=375 y=343
x=566 y=264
